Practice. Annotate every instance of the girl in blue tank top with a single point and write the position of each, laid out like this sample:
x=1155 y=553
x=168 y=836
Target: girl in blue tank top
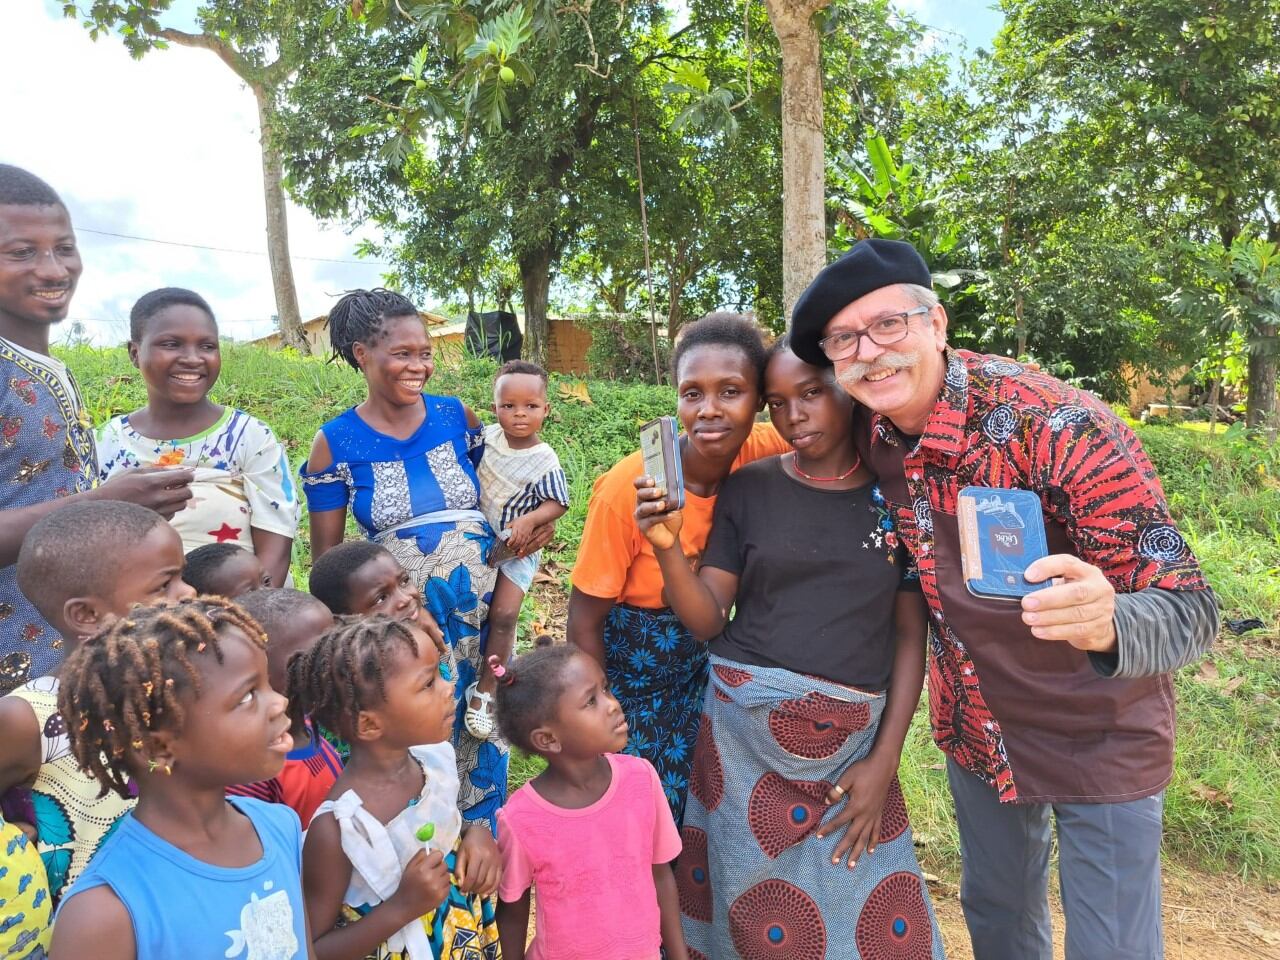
x=173 y=701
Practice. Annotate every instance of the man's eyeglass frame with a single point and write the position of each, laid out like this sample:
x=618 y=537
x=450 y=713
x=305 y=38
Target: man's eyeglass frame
x=826 y=346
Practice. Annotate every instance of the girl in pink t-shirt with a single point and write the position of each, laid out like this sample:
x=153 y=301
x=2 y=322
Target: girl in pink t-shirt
x=592 y=832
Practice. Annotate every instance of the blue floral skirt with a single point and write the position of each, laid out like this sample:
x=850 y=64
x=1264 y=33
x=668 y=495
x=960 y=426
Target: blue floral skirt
x=447 y=562
x=659 y=674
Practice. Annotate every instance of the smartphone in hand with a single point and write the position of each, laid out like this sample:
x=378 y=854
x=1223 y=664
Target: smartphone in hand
x=660 y=449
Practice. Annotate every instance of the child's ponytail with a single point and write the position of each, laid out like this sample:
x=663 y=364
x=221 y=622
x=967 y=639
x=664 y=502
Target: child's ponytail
x=529 y=688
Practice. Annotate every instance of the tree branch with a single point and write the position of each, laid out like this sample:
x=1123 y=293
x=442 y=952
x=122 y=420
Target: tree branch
x=260 y=77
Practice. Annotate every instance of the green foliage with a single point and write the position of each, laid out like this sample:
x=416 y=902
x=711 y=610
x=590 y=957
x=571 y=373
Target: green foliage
x=622 y=349
x=492 y=65
x=1235 y=534
x=1177 y=114
x=886 y=199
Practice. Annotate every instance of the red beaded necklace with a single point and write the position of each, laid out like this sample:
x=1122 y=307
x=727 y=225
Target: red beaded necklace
x=795 y=465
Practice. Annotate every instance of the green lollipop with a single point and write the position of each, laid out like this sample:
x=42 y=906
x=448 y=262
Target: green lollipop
x=426 y=832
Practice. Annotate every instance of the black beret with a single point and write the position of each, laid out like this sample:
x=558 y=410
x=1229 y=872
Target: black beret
x=869 y=265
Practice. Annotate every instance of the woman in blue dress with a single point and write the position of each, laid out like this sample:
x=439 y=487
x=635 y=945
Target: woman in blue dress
x=403 y=463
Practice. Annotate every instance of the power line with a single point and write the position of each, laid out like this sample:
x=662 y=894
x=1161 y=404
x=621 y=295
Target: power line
x=124 y=321
x=243 y=253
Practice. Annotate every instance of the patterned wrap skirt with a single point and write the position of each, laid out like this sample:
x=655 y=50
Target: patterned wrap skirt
x=754 y=883
x=659 y=674
x=447 y=561
x=464 y=927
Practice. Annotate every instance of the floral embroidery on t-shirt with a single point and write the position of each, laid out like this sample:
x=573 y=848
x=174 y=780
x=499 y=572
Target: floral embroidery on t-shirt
x=882 y=536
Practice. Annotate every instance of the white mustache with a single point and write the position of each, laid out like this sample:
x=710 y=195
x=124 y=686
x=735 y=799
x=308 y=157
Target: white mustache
x=888 y=361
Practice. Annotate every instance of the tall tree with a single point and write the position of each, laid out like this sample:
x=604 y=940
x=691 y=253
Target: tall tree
x=1183 y=107
x=492 y=118
x=262 y=42
x=812 y=72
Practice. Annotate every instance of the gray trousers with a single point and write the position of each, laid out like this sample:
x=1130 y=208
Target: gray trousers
x=1108 y=868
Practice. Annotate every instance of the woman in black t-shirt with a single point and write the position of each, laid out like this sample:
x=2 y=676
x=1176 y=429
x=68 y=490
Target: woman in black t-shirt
x=814 y=680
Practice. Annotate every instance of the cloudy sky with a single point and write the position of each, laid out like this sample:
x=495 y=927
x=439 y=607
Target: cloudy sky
x=166 y=148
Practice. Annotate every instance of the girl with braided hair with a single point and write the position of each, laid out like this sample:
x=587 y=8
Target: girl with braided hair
x=174 y=701
x=62 y=570
x=390 y=869
x=403 y=462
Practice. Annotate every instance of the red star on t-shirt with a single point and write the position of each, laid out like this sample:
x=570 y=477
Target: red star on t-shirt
x=225 y=532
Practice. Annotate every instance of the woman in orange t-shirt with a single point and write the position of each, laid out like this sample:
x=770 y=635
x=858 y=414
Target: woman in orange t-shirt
x=617 y=611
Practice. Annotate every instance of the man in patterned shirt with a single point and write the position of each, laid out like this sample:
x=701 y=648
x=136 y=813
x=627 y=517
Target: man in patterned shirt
x=1059 y=706
x=47 y=455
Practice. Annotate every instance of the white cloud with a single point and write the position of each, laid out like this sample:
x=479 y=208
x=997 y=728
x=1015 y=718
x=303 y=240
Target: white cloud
x=165 y=147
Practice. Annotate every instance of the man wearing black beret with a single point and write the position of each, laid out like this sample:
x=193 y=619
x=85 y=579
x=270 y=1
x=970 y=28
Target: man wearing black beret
x=1057 y=707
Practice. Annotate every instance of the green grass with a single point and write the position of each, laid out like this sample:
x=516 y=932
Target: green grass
x=1223 y=807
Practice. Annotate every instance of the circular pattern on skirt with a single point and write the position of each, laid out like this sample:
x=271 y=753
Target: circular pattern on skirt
x=894 y=922
x=894 y=820
x=706 y=779
x=816 y=726
x=731 y=676
x=783 y=812
x=775 y=919
x=693 y=880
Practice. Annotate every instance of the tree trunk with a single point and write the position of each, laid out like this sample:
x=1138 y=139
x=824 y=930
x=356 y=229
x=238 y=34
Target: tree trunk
x=535 y=285
x=1260 y=410
x=804 y=226
x=675 y=311
x=1019 y=325
x=291 y=331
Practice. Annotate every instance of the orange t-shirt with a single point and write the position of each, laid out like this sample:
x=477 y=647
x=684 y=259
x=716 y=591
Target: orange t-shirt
x=615 y=559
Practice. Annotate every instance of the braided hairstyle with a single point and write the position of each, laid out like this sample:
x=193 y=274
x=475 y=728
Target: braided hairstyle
x=529 y=690
x=345 y=671
x=361 y=316
x=137 y=676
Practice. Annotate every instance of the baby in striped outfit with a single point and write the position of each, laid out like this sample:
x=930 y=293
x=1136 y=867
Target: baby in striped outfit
x=522 y=487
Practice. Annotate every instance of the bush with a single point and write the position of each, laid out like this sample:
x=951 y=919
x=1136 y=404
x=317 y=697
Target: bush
x=622 y=349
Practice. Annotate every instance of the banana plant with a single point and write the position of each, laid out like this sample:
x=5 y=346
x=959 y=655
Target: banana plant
x=878 y=197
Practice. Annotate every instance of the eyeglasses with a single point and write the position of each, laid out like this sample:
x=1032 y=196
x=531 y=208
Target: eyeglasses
x=883 y=332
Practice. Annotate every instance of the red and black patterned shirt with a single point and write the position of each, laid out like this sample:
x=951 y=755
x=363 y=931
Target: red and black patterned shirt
x=1031 y=717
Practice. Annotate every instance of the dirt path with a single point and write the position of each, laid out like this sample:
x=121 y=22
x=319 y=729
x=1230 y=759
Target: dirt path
x=1205 y=918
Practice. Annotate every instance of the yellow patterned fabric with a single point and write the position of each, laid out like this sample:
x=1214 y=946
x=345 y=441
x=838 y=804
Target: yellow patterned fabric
x=72 y=821
x=24 y=898
x=462 y=928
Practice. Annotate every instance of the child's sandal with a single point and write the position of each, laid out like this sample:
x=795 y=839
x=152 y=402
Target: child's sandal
x=479 y=720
